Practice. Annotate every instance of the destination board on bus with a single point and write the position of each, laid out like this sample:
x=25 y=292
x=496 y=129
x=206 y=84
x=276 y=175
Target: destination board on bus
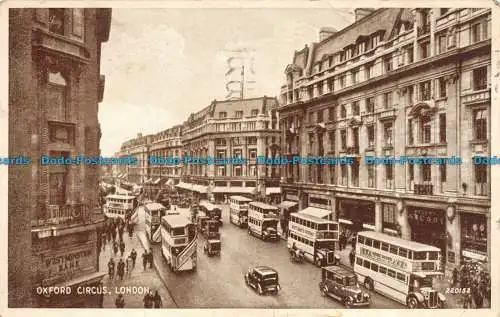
x=384 y=259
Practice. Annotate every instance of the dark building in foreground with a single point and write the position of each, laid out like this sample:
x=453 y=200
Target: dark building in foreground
x=54 y=91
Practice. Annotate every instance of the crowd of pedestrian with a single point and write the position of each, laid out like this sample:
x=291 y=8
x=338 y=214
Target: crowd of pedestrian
x=474 y=282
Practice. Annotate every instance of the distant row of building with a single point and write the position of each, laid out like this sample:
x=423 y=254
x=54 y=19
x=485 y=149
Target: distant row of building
x=225 y=129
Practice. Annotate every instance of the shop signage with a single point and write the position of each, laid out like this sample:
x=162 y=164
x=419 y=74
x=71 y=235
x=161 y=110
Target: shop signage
x=474 y=255
x=66 y=263
x=426 y=217
x=292 y=197
x=384 y=259
x=301 y=229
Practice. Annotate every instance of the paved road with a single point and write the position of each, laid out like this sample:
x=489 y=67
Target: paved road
x=218 y=281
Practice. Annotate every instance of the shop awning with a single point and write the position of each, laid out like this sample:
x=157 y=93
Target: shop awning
x=200 y=189
x=184 y=186
x=233 y=190
x=287 y=204
x=273 y=190
x=316 y=212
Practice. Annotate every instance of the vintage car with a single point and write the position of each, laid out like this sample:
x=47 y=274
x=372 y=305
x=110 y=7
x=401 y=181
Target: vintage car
x=212 y=247
x=263 y=279
x=341 y=284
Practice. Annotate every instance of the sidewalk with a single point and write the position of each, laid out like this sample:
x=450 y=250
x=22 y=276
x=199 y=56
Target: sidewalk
x=138 y=278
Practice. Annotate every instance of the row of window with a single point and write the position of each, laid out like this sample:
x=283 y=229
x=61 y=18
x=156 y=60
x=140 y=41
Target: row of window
x=480 y=175
x=173 y=231
x=397 y=250
x=300 y=239
x=238 y=114
x=445 y=40
x=424 y=93
x=313 y=225
x=382 y=269
x=252 y=140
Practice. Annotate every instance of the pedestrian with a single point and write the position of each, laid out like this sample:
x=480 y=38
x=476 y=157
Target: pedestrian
x=120 y=231
x=122 y=247
x=113 y=232
x=111 y=268
x=130 y=266
x=120 y=302
x=151 y=258
x=454 y=277
x=103 y=241
x=129 y=229
x=148 y=300
x=351 y=257
x=121 y=269
x=157 y=300
x=115 y=247
x=145 y=259
x=133 y=255
x=100 y=297
x=342 y=240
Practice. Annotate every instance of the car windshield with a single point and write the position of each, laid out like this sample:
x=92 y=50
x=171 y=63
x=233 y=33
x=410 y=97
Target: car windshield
x=350 y=281
x=419 y=282
x=269 y=224
x=329 y=245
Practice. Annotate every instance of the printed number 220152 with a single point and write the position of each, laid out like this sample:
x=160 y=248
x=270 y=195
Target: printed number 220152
x=456 y=290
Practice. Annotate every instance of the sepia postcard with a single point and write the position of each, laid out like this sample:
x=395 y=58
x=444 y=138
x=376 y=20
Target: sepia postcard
x=274 y=158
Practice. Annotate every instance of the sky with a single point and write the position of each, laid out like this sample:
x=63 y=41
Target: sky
x=163 y=64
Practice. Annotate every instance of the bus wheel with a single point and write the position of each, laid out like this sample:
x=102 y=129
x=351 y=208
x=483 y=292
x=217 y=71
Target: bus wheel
x=412 y=302
x=368 y=283
x=249 y=232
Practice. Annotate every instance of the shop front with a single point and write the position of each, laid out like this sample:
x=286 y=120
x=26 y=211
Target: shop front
x=428 y=226
x=474 y=236
x=355 y=216
x=289 y=204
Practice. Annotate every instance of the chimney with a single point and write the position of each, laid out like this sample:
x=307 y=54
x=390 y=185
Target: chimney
x=360 y=13
x=326 y=32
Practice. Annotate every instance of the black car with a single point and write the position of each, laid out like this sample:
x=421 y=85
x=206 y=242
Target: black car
x=263 y=279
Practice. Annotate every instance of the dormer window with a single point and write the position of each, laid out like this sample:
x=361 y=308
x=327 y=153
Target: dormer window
x=222 y=115
x=361 y=47
x=254 y=112
x=342 y=56
x=238 y=114
x=375 y=40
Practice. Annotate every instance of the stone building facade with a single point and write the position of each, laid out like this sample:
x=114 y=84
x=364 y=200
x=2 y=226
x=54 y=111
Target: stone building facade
x=245 y=128
x=54 y=91
x=166 y=144
x=397 y=82
x=137 y=148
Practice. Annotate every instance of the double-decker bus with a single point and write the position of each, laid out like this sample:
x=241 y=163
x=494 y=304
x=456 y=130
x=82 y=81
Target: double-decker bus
x=211 y=210
x=238 y=210
x=119 y=206
x=153 y=213
x=315 y=236
x=179 y=242
x=399 y=269
x=263 y=220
